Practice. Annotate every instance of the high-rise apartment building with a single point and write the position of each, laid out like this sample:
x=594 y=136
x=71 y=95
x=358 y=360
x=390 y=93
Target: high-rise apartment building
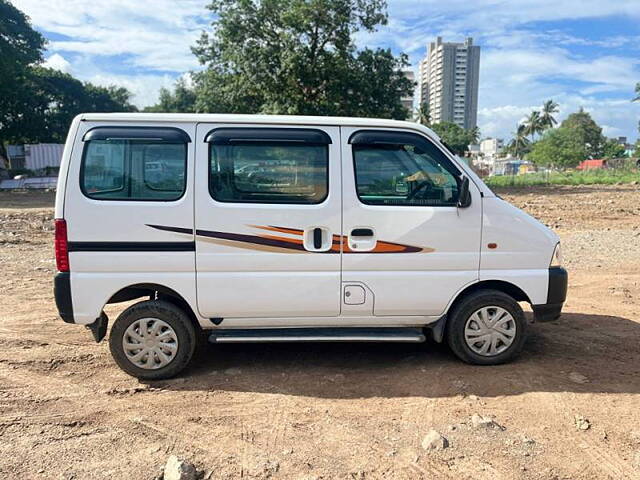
x=449 y=77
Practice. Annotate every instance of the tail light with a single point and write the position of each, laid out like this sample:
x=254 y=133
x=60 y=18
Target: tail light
x=62 y=250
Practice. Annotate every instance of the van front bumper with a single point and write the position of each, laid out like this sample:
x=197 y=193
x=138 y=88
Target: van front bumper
x=556 y=295
x=62 y=294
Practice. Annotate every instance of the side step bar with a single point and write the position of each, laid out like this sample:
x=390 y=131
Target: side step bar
x=254 y=335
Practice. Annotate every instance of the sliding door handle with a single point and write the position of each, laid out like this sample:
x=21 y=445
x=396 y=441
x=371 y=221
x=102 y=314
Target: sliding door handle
x=362 y=232
x=317 y=238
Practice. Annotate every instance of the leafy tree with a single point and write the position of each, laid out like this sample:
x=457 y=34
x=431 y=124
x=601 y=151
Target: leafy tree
x=20 y=46
x=612 y=149
x=298 y=57
x=558 y=148
x=181 y=100
x=586 y=130
x=546 y=116
x=53 y=99
x=520 y=144
x=423 y=114
x=455 y=137
x=533 y=124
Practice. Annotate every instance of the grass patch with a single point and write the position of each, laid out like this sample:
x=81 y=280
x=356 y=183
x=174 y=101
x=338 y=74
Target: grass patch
x=588 y=177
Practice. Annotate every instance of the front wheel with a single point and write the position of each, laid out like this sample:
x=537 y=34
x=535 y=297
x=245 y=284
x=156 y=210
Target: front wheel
x=487 y=328
x=152 y=340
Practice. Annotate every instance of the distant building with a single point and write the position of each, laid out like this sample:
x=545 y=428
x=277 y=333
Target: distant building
x=449 y=80
x=35 y=157
x=491 y=147
x=407 y=102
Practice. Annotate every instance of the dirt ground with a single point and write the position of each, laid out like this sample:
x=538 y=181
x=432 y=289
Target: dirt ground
x=337 y=411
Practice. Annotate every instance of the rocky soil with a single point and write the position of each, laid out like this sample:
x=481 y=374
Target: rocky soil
x=568 y=409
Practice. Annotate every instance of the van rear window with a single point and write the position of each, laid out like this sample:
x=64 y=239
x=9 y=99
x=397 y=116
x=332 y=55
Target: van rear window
x=133 y=169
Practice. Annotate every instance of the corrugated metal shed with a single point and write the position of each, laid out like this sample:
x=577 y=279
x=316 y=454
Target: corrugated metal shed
x=43 y=155
x=29 y=183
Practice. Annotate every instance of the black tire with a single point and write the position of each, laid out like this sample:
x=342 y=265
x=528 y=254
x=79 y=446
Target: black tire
x=466 y=307
x=167 y=312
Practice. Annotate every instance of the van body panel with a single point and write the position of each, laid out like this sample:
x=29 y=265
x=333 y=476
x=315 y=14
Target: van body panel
x=445 y=242
x=104 y=234
x=522 y=249
x=251 y=258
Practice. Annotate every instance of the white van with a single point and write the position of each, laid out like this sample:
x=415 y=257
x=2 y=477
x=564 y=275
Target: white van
x=275 y=228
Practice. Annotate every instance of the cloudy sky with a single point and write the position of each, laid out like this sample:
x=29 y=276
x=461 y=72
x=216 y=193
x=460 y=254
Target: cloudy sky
x=577 y=52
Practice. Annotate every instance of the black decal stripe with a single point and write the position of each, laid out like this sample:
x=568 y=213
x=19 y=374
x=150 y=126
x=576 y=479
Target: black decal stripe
x=132 y=246
x=271 y=242
x=188 y=231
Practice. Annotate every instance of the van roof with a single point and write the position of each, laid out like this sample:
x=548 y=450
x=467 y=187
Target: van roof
x=243 y=118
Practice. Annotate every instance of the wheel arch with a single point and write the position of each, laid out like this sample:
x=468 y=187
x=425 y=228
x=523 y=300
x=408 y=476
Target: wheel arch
x=155 y=291
x=515 y=292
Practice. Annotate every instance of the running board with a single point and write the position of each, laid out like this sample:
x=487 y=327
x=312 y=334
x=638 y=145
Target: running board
x=254 y=335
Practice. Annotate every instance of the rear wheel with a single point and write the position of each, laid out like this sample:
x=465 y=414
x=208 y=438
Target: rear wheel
x=152 y=340
x=487 y=328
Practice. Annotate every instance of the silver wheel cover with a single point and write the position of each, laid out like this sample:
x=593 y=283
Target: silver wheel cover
x=150 y=343
x=490 y=331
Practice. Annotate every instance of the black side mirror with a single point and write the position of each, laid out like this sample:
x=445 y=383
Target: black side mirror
x=464 y=198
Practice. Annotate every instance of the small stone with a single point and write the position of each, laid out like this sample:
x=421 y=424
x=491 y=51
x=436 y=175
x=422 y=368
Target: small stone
x=582 y=423
x=479 y=421
x=434 y=441
x=232 y=371
x=578 y=378
x=528 y=441
x=473 y=398
x=177 y=469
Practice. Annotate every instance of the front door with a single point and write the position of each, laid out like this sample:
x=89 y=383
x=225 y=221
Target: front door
x=267 y=213
x=406 y=241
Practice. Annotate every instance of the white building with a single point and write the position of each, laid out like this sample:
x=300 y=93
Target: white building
x=491 y=147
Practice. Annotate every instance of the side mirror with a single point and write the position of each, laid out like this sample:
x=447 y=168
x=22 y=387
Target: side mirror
x=464 y=199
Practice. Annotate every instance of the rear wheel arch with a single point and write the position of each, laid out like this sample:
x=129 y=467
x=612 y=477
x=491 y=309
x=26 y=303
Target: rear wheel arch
x=155 y=291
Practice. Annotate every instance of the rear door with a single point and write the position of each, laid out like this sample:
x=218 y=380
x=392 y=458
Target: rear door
x=129 y=211
x=406 y=241
x=268 y=221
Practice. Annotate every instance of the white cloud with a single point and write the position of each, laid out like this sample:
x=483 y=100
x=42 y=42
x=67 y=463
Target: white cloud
x=144 y=45
x=58 y=62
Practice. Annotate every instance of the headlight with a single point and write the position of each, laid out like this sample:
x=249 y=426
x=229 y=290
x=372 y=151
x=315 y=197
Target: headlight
x=556 y=258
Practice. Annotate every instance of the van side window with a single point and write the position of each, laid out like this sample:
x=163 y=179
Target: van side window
x=404 y=173
x=264 y=171
x=133 y=169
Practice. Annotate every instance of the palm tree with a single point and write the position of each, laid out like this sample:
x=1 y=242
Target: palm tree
x=546 y=118
x=474 y=135
x=637 y=99
x=423 y=114
x=520 y=143
x=532 y=124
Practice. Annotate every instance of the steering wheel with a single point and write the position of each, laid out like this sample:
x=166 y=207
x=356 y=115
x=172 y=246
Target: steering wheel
x=421 y=186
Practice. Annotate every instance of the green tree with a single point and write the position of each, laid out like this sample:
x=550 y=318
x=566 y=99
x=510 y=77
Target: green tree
x=53 y=99
x=423 y=114
x=612 y=149
x=558 y=148
x=181 y=100
x=455 y=137
x=586 y=130
x=547 y=119
x=298 y=57
x=20 y=46
x=520 y=144
x=533 y=124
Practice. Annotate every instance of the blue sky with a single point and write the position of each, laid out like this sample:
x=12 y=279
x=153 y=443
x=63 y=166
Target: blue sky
x=581 y=53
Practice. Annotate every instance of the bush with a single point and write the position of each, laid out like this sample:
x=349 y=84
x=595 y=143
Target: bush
x=586 y=177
